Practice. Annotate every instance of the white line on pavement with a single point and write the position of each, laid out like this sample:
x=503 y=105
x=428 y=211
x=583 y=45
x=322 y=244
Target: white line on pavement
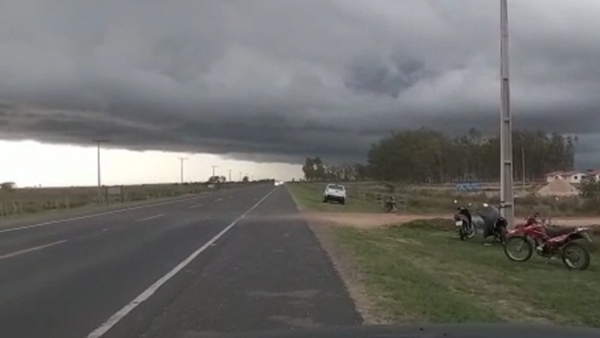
x=196 y=205
x=149 y=218
x=218 y=200
x=20 y=252
x=114 y=319
x=96 y=215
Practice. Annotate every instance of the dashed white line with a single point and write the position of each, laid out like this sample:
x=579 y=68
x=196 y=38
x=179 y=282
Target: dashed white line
x=149 y=218
x=114 y=319
x=196 y=205
x=20 y=252
x=218 y=200
x=97 y=215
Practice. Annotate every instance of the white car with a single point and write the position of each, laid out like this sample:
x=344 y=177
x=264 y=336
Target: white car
x=334 y=192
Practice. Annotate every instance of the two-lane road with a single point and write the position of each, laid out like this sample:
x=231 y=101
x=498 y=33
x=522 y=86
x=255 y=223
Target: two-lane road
x=229 y=261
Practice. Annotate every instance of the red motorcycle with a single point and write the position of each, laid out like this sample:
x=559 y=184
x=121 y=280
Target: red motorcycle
x=549 y=242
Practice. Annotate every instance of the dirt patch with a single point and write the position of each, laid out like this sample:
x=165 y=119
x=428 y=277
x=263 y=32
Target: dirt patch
x=372 y=220
x=576 y=221
x=366 y=220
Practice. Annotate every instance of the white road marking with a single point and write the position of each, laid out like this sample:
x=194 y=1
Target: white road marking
x=196 y=205
x=218 y=200
x=114 y=319
x=95 y=215
x=20 y=252
x=149 y=218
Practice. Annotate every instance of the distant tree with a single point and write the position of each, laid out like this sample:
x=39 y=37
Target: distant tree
x=428 y=156
x=309 y=169
x=320 y=171
x=590 y=191
x=245 y=179
x=360 y=172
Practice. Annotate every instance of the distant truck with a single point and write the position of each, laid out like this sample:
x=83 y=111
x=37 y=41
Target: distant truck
x=334 y=192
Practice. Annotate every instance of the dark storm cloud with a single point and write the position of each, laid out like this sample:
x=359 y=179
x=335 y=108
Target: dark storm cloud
x=279 y=80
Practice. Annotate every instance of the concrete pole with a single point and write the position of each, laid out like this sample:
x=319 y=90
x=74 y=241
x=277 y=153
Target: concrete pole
x=506 y=169
x=98 y=143
x=181 y=159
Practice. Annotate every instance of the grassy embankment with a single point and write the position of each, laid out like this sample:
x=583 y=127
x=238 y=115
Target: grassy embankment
x=420 y=271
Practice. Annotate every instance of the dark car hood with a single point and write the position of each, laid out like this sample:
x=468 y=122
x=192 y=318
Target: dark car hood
x=418 y=331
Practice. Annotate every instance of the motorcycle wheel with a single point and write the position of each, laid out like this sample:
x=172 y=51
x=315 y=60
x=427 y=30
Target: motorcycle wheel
x=583 y=261
x=521 y=241
x=461 y=234
x=470 y=231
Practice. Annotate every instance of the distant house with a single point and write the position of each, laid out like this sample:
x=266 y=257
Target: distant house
x=594 y=174
x=8 y=186
x=573 y=177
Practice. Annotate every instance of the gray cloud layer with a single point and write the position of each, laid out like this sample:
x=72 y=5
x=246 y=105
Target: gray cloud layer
x=271 y=79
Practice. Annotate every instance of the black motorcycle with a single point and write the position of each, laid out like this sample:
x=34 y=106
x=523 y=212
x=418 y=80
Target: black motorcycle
x=463 y=220
x=494 y=225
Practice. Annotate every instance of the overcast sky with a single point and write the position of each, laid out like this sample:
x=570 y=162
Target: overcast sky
x=275 y=80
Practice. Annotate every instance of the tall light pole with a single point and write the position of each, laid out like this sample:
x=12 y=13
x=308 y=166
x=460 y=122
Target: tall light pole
x=181 y=159
x=506 y=164
x=213 y=168
x=98 y=143
x=229 y=179
x=240 y=176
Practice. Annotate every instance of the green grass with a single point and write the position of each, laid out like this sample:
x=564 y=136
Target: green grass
x=362 y=196
x=309 y=197
x=420 y=271
x=26 y=201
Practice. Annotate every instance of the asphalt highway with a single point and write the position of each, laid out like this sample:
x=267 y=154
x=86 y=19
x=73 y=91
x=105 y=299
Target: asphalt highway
x=236 y=260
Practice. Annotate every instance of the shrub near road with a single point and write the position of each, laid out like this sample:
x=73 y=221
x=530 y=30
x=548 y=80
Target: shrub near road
x=420 y=271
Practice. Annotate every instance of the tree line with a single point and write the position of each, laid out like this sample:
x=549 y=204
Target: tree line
x=430 y=156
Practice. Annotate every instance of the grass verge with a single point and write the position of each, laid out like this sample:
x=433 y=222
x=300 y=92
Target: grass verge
x=309 y=197
x=421 y=271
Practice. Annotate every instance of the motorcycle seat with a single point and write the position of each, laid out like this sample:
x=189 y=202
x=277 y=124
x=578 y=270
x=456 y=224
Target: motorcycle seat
x=558 y=231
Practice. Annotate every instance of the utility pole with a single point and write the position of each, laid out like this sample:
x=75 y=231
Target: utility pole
x=229 y=179
x=213 y=167
x=506 y=169
x=181 y=159
x=240 y=176
x=98 y=143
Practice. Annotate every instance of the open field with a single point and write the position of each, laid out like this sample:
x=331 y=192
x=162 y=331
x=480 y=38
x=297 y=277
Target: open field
x=425 y=200
x=27 y=201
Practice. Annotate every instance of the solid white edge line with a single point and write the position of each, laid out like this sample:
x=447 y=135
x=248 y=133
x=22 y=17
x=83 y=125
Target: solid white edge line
x=114 y=319
x=149 y=218
x=20 y=252
x=96 y=215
